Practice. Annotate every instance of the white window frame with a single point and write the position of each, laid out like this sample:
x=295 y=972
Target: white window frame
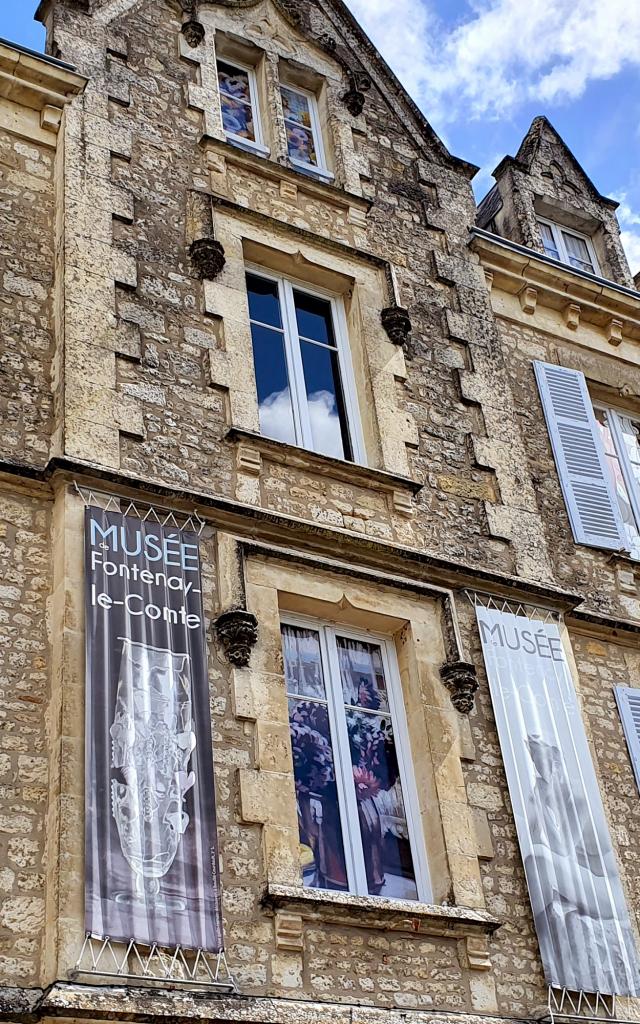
x=347 y=802
x=320 y=169
x=558 y=231
x=633 y=489
x=295 y=369
x=257 y=145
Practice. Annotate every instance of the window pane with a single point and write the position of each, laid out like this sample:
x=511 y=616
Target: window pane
x=631 y=439
x=314 y=318
x=632 y=534
x=302 y=662
x=327 y=414
x=235 y=101
x=272 y=382
x=296 y=107
x=264 y=301
x=301 y=144
x=381 y=814
x=578 y=252
x=362 y=674
x=234 y=81
x=321 y=844
x=548 y=241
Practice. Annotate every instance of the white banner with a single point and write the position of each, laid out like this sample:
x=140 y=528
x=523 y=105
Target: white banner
x=581 y=918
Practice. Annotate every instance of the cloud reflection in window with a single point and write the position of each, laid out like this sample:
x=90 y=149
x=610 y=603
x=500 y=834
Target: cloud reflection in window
x=276 y=421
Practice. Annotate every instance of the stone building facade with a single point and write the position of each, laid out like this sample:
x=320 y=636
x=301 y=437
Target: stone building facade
x=182 y=185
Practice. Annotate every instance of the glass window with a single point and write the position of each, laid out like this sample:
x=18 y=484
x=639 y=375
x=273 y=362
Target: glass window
x=568 y=247
x=621 y=440
x=302 y=370
x=549 y=241
x=357 y=831
x=577 y=252
x=302 y=124
x=239 y=105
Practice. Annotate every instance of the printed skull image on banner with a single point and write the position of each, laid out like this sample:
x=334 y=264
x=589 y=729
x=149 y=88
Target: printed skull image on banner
x=579 y=909
x=151 y=855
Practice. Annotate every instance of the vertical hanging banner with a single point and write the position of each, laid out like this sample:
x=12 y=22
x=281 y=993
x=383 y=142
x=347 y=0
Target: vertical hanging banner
x=581 y=918
x=150 y=857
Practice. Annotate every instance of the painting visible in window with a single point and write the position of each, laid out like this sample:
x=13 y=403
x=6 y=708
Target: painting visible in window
x=346 y=767
x=299 y=126
x=376 y=774
x=235 y=101
x=321 y=845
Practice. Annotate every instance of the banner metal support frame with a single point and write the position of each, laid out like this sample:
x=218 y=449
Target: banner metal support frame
x=146 y=511
x=133 y=962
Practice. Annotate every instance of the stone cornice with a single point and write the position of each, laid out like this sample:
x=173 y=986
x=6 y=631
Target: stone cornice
x=248 y=520
x=38 y=83
x=578 y=296
x=34 y=90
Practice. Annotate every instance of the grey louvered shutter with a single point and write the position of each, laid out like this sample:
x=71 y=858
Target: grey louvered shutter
x=629 y=708
x=584 y=475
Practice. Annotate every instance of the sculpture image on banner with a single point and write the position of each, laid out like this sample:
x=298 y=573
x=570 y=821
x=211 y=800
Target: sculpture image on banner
x=151 y=854
x=580 y=913
x=152 y=740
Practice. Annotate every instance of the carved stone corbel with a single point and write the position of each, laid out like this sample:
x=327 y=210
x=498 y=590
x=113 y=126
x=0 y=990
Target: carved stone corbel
x=354 y=98
x=206 y=253
x=237 y=633
x=193 y=31
x=461 y=680
x=397 y=323
x=208 y=258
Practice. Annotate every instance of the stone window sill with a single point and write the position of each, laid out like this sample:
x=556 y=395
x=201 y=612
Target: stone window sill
x=315 y=185
x=323 y=465
x=380 y=912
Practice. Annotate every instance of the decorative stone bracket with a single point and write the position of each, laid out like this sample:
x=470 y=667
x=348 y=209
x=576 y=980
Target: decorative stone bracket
x=237 y=633
x=193 y=31
x=461 y=680
x=208 y=258
x=354 y=98
x=359 y=81
x=397 y=323
x=206 y=253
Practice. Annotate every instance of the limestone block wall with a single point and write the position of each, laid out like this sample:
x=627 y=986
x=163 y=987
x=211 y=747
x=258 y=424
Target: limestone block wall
x=151 y=383
x=27 y=259
x=25 y=654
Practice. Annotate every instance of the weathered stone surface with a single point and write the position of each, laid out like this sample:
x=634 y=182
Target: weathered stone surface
x=116 y=354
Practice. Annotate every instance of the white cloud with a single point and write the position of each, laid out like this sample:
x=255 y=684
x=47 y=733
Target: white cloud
x=504 y=53
x=630 y=233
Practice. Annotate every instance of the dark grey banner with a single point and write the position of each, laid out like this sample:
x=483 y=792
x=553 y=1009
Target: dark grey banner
x=151 y=854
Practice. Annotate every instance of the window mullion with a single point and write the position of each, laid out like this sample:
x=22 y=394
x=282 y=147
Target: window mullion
x=342 y=755
x=292 y=350
x=625 y=469
x=297 y=369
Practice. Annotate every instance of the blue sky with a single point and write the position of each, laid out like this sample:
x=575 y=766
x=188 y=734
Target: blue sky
x=482 y=69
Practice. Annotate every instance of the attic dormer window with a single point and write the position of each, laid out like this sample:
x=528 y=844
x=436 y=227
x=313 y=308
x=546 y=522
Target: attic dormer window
x=304 y=134
x=568 y=247
x=239 y=106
